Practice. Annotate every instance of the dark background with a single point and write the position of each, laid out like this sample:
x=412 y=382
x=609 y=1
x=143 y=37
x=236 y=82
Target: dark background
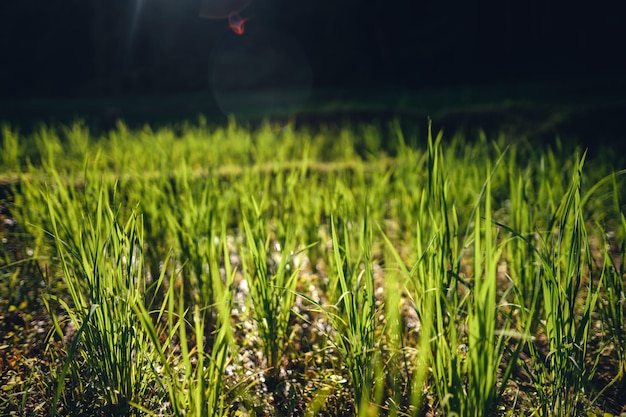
x=82 y=49
x=74 y=48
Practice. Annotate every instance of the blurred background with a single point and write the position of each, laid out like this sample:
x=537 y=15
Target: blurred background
x=147 y=60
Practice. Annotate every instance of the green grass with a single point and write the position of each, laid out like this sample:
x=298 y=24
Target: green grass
x=101 y=260
x=204 y=270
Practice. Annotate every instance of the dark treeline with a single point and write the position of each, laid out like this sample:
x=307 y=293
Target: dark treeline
x=89 y=47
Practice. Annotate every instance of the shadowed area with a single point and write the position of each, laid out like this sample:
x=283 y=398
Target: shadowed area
x=219 y=9
x=587 y=112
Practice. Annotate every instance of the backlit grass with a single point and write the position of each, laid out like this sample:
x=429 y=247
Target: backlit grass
x=200 y=270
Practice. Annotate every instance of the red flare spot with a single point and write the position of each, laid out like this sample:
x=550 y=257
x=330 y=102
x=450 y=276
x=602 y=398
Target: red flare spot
x=236 y=23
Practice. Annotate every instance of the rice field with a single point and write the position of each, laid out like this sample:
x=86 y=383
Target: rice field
x=353 y=270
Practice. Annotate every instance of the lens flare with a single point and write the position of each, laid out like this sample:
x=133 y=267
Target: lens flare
x=236 y=23
x=261 y=75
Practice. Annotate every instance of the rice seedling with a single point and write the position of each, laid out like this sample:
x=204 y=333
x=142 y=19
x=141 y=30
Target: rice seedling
x=567 y=308
x=613 y=307
x=488 y=340
x=48 y=147
x=416 y=373
x=569 y=297
x=102 y=262
x=193 y=221
x=153 y=202
x=614 y=269
x=271 y=276
x=192 y=375
x=12 y=150
x=353 y=313
x=77 y=140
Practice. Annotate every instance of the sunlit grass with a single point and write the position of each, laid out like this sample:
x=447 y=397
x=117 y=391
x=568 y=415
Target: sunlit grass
x=228 y=271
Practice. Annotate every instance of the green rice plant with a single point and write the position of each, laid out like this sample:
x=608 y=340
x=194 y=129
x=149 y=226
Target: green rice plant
x=521 y=255
x=447 y=347
x=416 y=373
x=437 y=286
x=305 y=205
x=11 y=152
x=272 y=277
x=488 y=340
x=550 y=175
x=613 y=306
x=395 y=355
x=77 y=139
x=189 y=370
x=282 y=193
x=335 y=144
x=193 y=220
x=206 y=390
x=240 y=145
x=194 y=378
x=442 y=308
x=569 y=297
x=484 y=352
x=460 y=339
x=265 y=146
x=122 y=150
x=353 y=314
x=102 y=264
x=617 y=294
x=432 y=282
x=153 y=200
x=48 y=146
